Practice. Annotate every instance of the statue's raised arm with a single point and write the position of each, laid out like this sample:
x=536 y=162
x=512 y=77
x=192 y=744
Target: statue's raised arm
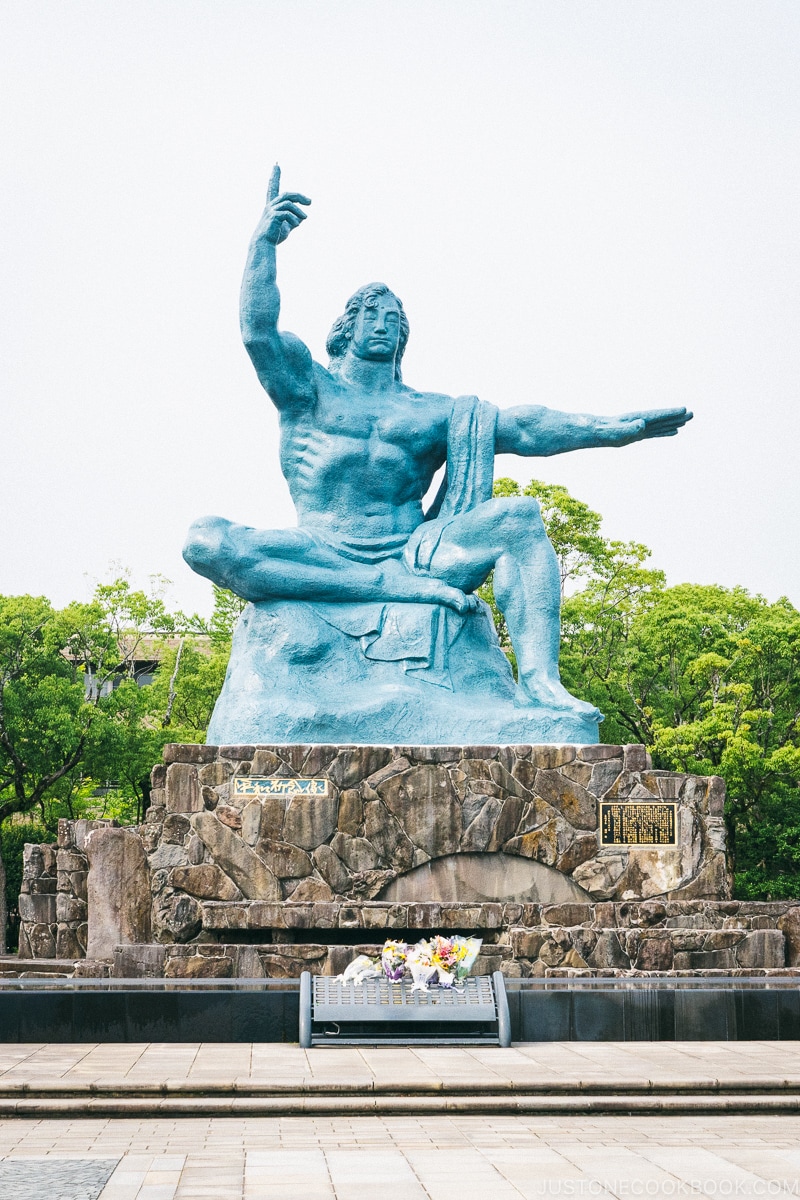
x=283 y=363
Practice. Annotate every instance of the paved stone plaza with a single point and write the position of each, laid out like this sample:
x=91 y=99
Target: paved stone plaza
x=491 y=1158
x=441 y=1154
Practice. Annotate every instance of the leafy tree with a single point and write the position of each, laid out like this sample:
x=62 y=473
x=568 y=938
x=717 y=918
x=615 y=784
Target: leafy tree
x=126 y=741
x=45 y=716
x=60 y=713
x=599 y=638
x=188 y=689
x=227 y=610
x=133 y=617
x=191 y=673
x=46 y=710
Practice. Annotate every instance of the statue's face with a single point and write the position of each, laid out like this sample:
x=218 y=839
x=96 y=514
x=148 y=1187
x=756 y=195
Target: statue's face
x=376 y=334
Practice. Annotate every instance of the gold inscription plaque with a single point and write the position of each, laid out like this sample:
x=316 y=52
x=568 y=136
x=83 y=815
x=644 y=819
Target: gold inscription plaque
x=635 y=824
x=257 y=785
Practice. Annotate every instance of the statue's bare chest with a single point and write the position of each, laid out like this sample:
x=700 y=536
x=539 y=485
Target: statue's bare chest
x=376 y=425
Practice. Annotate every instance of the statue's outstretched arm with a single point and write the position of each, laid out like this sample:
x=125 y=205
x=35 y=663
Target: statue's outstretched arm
x=539 y=432
x=282 y=362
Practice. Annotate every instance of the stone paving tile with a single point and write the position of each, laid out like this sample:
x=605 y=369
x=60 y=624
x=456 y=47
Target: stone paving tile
x=497 y=1157
x=522 y=1064
x=340 y=1157
x=286 y=1172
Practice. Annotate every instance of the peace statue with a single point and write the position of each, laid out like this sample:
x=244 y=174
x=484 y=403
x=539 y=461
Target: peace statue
x=364 y=625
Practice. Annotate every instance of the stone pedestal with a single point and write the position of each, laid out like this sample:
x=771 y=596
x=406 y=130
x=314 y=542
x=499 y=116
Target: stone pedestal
x=422 y=823
x=266 y=860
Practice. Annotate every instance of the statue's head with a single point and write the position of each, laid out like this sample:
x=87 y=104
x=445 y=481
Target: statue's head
x=373 y=325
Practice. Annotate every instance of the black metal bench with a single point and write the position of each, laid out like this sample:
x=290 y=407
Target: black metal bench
x=378 y=1012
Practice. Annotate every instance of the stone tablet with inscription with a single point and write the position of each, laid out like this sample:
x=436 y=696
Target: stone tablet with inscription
x=256 y=785
x=635 y=824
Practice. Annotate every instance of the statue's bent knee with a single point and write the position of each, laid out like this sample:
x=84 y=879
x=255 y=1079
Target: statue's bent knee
x=519 y=515
x=204 y=543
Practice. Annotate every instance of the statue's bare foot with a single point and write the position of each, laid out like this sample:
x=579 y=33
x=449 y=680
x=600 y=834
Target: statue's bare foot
x=548 y=692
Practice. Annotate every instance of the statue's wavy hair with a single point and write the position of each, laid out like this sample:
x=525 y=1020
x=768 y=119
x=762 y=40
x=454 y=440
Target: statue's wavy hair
x=342 y=330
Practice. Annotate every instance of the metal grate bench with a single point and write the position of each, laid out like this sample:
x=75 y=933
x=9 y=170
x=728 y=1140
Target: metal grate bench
x=378 y=1012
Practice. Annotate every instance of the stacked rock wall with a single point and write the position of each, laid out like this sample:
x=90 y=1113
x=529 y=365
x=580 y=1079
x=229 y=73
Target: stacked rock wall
x=38 y=931
x=266 y=860
x=400 y=823
x=522 y=940
x=53 y=905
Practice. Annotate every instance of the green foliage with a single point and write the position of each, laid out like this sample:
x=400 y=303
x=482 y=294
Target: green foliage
x=191 y=673
x=78 y=735
x=227 y=610
x=196 y=681
x=45 y=715
x=13 y=837
x=125 y=743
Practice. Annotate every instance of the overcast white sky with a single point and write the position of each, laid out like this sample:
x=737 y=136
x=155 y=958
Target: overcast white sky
x=592 y=206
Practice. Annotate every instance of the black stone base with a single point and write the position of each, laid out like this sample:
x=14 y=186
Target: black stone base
x=764 y=1010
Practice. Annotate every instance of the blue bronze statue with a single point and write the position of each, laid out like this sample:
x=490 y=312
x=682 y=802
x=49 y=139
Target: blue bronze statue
x=364 y=625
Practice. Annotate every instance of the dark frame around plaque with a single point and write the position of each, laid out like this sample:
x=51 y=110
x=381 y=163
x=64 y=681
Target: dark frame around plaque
x=617 y=816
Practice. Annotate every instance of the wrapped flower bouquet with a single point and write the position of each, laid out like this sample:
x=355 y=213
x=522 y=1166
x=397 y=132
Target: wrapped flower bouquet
x=442 y=960
x=393 y=959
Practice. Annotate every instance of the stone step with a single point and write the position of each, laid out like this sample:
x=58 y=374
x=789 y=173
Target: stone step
x=11 y=967
x=484 y=1084
x=518 y=952
x=763 y=1097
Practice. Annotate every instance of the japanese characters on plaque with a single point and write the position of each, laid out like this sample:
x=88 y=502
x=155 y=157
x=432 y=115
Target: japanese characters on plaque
x=257 y=785
x=632 y=823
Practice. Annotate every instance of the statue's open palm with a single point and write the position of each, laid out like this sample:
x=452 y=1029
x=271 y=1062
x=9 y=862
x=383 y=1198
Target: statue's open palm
x=636 y=426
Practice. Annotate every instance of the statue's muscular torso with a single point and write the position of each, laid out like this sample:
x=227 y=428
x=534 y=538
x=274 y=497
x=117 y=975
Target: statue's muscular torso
x=358 y=462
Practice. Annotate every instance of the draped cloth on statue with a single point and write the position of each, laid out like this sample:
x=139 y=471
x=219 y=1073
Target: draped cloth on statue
x=420 y=635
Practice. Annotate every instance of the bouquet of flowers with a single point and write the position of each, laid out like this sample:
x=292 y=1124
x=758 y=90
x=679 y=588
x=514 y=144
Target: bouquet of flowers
x=361 y=968
x=445 y=958
x=442 y=960
x=466 y=951
x=393 y=960
x=421 y=965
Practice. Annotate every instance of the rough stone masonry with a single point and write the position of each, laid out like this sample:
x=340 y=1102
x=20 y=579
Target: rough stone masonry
x=263 y=860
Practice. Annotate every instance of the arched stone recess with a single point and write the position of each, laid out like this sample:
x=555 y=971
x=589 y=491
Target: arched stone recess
x=484 y=878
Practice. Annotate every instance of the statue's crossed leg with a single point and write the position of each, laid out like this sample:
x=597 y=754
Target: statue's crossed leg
x=507 y=535
x=443 y=562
